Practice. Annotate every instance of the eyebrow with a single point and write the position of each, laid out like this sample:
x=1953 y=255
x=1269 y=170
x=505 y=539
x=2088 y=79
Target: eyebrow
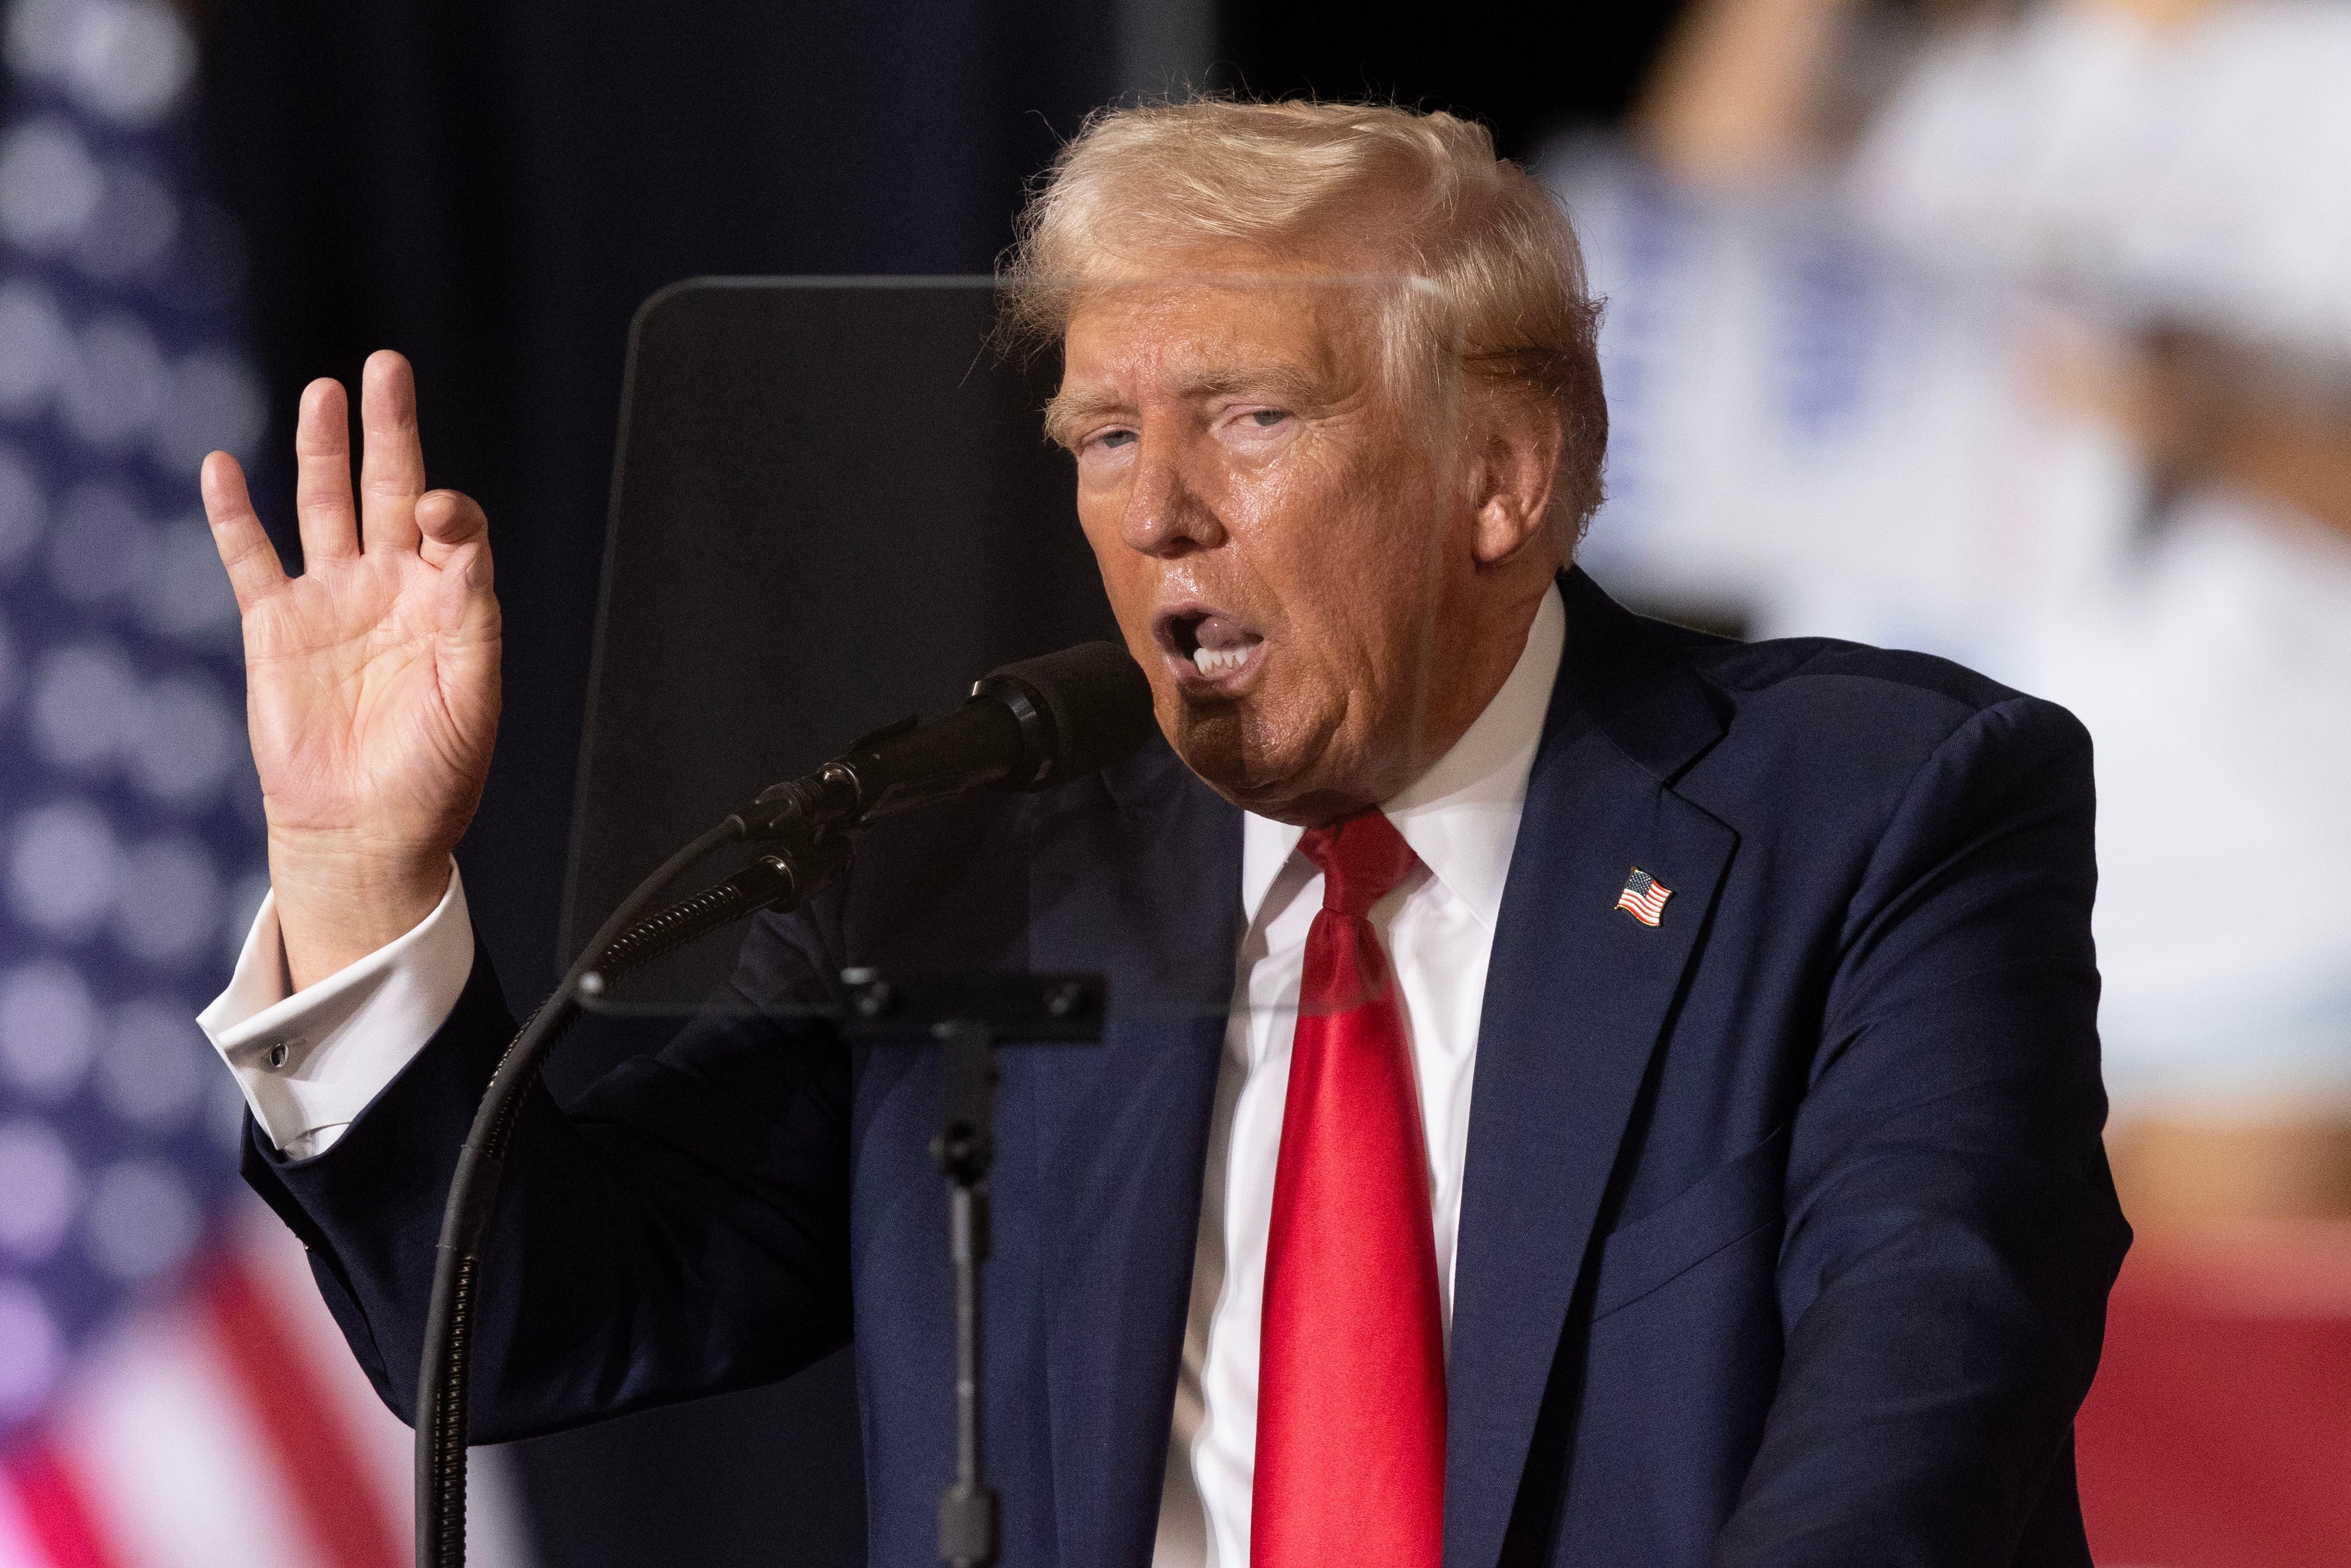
x=1069 y=409
x=1066 y=411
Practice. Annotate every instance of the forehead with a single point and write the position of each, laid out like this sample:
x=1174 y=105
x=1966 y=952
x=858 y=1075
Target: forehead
x=1167 y=334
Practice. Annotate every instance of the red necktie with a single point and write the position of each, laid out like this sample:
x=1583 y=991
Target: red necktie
x=1351 y=1370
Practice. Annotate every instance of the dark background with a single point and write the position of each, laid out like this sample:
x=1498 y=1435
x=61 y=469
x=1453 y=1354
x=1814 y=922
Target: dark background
x=492 y=186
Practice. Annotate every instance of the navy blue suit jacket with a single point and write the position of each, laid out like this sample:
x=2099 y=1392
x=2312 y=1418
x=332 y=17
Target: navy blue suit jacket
x=1786 y=1231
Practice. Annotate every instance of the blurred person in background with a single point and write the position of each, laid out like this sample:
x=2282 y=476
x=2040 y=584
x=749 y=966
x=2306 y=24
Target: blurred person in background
x=2024 y=336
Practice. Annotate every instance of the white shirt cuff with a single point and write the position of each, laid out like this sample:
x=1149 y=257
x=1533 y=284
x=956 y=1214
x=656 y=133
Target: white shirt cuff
x=309 y=1062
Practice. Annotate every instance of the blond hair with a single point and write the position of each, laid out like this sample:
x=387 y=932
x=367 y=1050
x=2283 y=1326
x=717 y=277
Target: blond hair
x=1502 y=300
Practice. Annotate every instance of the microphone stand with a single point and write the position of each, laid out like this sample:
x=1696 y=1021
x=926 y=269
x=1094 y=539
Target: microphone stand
x=1011 y=732
x=966 y=1014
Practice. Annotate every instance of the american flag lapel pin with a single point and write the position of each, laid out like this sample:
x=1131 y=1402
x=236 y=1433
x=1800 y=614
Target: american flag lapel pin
x=1644 y=897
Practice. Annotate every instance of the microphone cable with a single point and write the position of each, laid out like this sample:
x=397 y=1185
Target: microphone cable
x=781 y=881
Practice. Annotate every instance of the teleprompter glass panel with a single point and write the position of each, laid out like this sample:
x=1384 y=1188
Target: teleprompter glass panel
x=836 y=504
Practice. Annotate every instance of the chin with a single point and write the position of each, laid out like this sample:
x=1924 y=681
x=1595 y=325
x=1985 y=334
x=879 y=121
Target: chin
x=1284 y=775
x=1216 y=741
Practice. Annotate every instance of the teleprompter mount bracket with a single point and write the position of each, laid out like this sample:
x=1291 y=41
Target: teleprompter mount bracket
x=967 y=1015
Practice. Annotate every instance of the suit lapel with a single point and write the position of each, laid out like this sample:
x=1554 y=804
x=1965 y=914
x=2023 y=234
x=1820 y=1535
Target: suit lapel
x=1142 y=879
x=1576 y=995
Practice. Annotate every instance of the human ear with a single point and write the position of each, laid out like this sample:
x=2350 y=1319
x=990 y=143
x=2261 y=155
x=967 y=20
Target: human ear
x=1518 y=442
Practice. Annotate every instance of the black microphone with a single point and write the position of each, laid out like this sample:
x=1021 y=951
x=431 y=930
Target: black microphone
x=1028 y=725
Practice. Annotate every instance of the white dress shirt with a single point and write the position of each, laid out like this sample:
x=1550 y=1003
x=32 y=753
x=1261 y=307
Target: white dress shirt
x=1461 y=818
x=310 y=1061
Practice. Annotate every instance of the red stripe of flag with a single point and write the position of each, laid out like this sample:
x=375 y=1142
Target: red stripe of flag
x=294 y=1408
x=55 y=1512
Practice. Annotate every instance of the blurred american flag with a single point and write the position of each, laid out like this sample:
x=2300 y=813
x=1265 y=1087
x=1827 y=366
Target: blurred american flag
x=172 y=1394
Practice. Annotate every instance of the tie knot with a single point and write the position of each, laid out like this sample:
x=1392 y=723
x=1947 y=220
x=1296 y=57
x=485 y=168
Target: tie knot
x=1362 y=858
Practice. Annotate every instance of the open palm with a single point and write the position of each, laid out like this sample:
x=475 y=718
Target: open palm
x=371 y=679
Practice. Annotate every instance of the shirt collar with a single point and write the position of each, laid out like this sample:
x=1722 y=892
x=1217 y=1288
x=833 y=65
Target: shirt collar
x=1461 y=816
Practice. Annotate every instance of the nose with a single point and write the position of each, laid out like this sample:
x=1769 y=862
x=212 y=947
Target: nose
x=1165 y=514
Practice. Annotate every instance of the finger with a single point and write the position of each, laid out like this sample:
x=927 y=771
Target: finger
x=322 y=474
x=392 y=454
x=254 y=570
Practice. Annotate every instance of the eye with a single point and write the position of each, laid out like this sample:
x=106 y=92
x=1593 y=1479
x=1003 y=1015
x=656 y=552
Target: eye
x=1267 y=418
x=1113 y=438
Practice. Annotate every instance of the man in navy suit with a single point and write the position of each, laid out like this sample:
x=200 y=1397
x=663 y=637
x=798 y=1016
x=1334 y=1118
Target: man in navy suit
x=1577 y=1090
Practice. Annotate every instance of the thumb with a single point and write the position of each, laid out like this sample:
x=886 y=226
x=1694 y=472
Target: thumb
x=450 y=520
x=456 y=543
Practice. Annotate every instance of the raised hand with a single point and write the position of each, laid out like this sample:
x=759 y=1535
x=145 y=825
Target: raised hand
x=371 y=679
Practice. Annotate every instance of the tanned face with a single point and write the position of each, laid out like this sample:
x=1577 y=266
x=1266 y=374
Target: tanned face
x=1324 y=591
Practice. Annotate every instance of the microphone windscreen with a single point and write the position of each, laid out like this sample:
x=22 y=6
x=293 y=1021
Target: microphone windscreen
x=1099 y=700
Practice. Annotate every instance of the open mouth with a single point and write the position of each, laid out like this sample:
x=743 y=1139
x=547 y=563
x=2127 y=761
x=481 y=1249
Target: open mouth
x=1208 y=649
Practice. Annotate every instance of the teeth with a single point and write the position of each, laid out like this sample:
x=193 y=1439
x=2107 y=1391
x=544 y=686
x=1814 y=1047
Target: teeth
x=1215 y=662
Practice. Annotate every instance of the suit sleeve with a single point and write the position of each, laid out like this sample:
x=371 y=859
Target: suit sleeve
x=1952 y=1228
x=681 y=1231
